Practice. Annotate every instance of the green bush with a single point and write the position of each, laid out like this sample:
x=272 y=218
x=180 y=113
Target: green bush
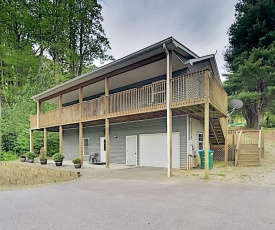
x=8 y=156
x=31 y=155
x=58 y=157
x=76 y=160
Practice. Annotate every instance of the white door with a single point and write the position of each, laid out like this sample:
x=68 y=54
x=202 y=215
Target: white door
x=102 y=149
x=131 y=150
x=153 y=150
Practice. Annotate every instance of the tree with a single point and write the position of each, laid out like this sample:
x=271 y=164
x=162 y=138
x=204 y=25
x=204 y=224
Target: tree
x=254 y=83
x=254 y=27
x=250 y=58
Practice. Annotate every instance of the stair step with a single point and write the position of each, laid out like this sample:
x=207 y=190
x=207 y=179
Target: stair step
x=243 y=164
x=248 y=158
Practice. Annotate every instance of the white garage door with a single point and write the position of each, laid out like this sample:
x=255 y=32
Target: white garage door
x=153 y=150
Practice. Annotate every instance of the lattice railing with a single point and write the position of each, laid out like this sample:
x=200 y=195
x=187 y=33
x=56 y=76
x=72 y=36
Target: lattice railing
x=219 y=152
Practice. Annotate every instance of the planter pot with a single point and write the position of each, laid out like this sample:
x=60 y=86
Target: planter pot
x=43 y=162
x=30 y=160
x=58 y=163
x=22 y=159
x=77 y=166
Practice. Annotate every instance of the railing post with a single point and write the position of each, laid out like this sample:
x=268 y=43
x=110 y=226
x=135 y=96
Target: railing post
x=207 y=84
x=106 y=96
x=80 y=99
x=60 y=107
x=39 y=109
x=262 y=143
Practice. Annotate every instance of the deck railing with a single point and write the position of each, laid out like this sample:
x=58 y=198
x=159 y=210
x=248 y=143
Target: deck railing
x=250 y=137
x=218 y=96
x=185 y=90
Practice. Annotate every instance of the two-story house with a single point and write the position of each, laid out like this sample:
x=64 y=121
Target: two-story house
x=153 y=107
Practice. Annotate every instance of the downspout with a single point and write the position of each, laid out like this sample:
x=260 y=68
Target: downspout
x=168 y=106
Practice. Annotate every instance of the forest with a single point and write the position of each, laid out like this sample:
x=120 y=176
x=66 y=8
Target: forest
x=46 y=42
x=43 y=43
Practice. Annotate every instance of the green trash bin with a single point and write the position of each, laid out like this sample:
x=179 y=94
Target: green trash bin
x=211 y=153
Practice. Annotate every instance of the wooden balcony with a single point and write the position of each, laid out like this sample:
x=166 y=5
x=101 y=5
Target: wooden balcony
x=186 y=91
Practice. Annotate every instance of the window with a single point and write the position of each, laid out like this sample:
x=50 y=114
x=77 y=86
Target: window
x=86 y=146
x=200 y=141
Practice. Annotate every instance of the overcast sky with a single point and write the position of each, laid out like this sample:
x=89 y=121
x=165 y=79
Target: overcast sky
x=200 y=25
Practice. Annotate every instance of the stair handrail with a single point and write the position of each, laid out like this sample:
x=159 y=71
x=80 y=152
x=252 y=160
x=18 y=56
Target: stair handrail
x=260 y=145
x=238 y=147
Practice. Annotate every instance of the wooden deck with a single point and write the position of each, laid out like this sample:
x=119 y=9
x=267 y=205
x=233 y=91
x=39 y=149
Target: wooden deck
x=188 y=95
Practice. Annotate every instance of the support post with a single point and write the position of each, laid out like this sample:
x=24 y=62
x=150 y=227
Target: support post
x=31 y=140
x=169 y=111
x=81 y=142
x=206 y=124
x=226 y=142
x=60 y=139
x=45 y=141
x=107 y=136
x=107 y=123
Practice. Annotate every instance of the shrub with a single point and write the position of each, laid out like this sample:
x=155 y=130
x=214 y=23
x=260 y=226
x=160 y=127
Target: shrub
x=58 y=157
x=8 y=156
x=76 y=160
x=31 y=155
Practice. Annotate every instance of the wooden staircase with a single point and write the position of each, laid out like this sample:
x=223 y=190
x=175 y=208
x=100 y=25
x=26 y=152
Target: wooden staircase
x=250 y=148
x=216 y=136
x=249 y=155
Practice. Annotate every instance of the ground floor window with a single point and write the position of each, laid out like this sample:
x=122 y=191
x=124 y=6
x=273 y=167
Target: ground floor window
x=85 y=146
x=200 y=141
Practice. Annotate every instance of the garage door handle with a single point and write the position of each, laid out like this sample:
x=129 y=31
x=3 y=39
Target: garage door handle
x=135 y=153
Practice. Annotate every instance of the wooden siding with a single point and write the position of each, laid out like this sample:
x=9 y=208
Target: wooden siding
x=187 y=90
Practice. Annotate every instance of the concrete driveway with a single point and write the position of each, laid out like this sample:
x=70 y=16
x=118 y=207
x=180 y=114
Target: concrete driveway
x=148 y=201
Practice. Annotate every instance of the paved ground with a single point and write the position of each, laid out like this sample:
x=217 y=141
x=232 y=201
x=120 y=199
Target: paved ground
x=139 y=199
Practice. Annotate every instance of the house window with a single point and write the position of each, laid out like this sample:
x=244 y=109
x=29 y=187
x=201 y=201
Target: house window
x=200 y=141
x=86 y=146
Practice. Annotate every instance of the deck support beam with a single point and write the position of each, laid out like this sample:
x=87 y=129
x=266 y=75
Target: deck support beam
x=45 y=141
x=81 y=142
x=61 y=139
x=31 y=140
x=206 y=124
x=226 y=141
x=107 y=136
x=168 y=108
x=107 y=123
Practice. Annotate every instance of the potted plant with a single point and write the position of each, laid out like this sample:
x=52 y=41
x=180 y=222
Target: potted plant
x=31 y=156
x=77 y=163
x=22 y=158
x=43 y=158
x=58 y=159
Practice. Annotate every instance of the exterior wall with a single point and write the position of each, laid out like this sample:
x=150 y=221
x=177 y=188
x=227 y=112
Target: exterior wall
x=118 y=133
